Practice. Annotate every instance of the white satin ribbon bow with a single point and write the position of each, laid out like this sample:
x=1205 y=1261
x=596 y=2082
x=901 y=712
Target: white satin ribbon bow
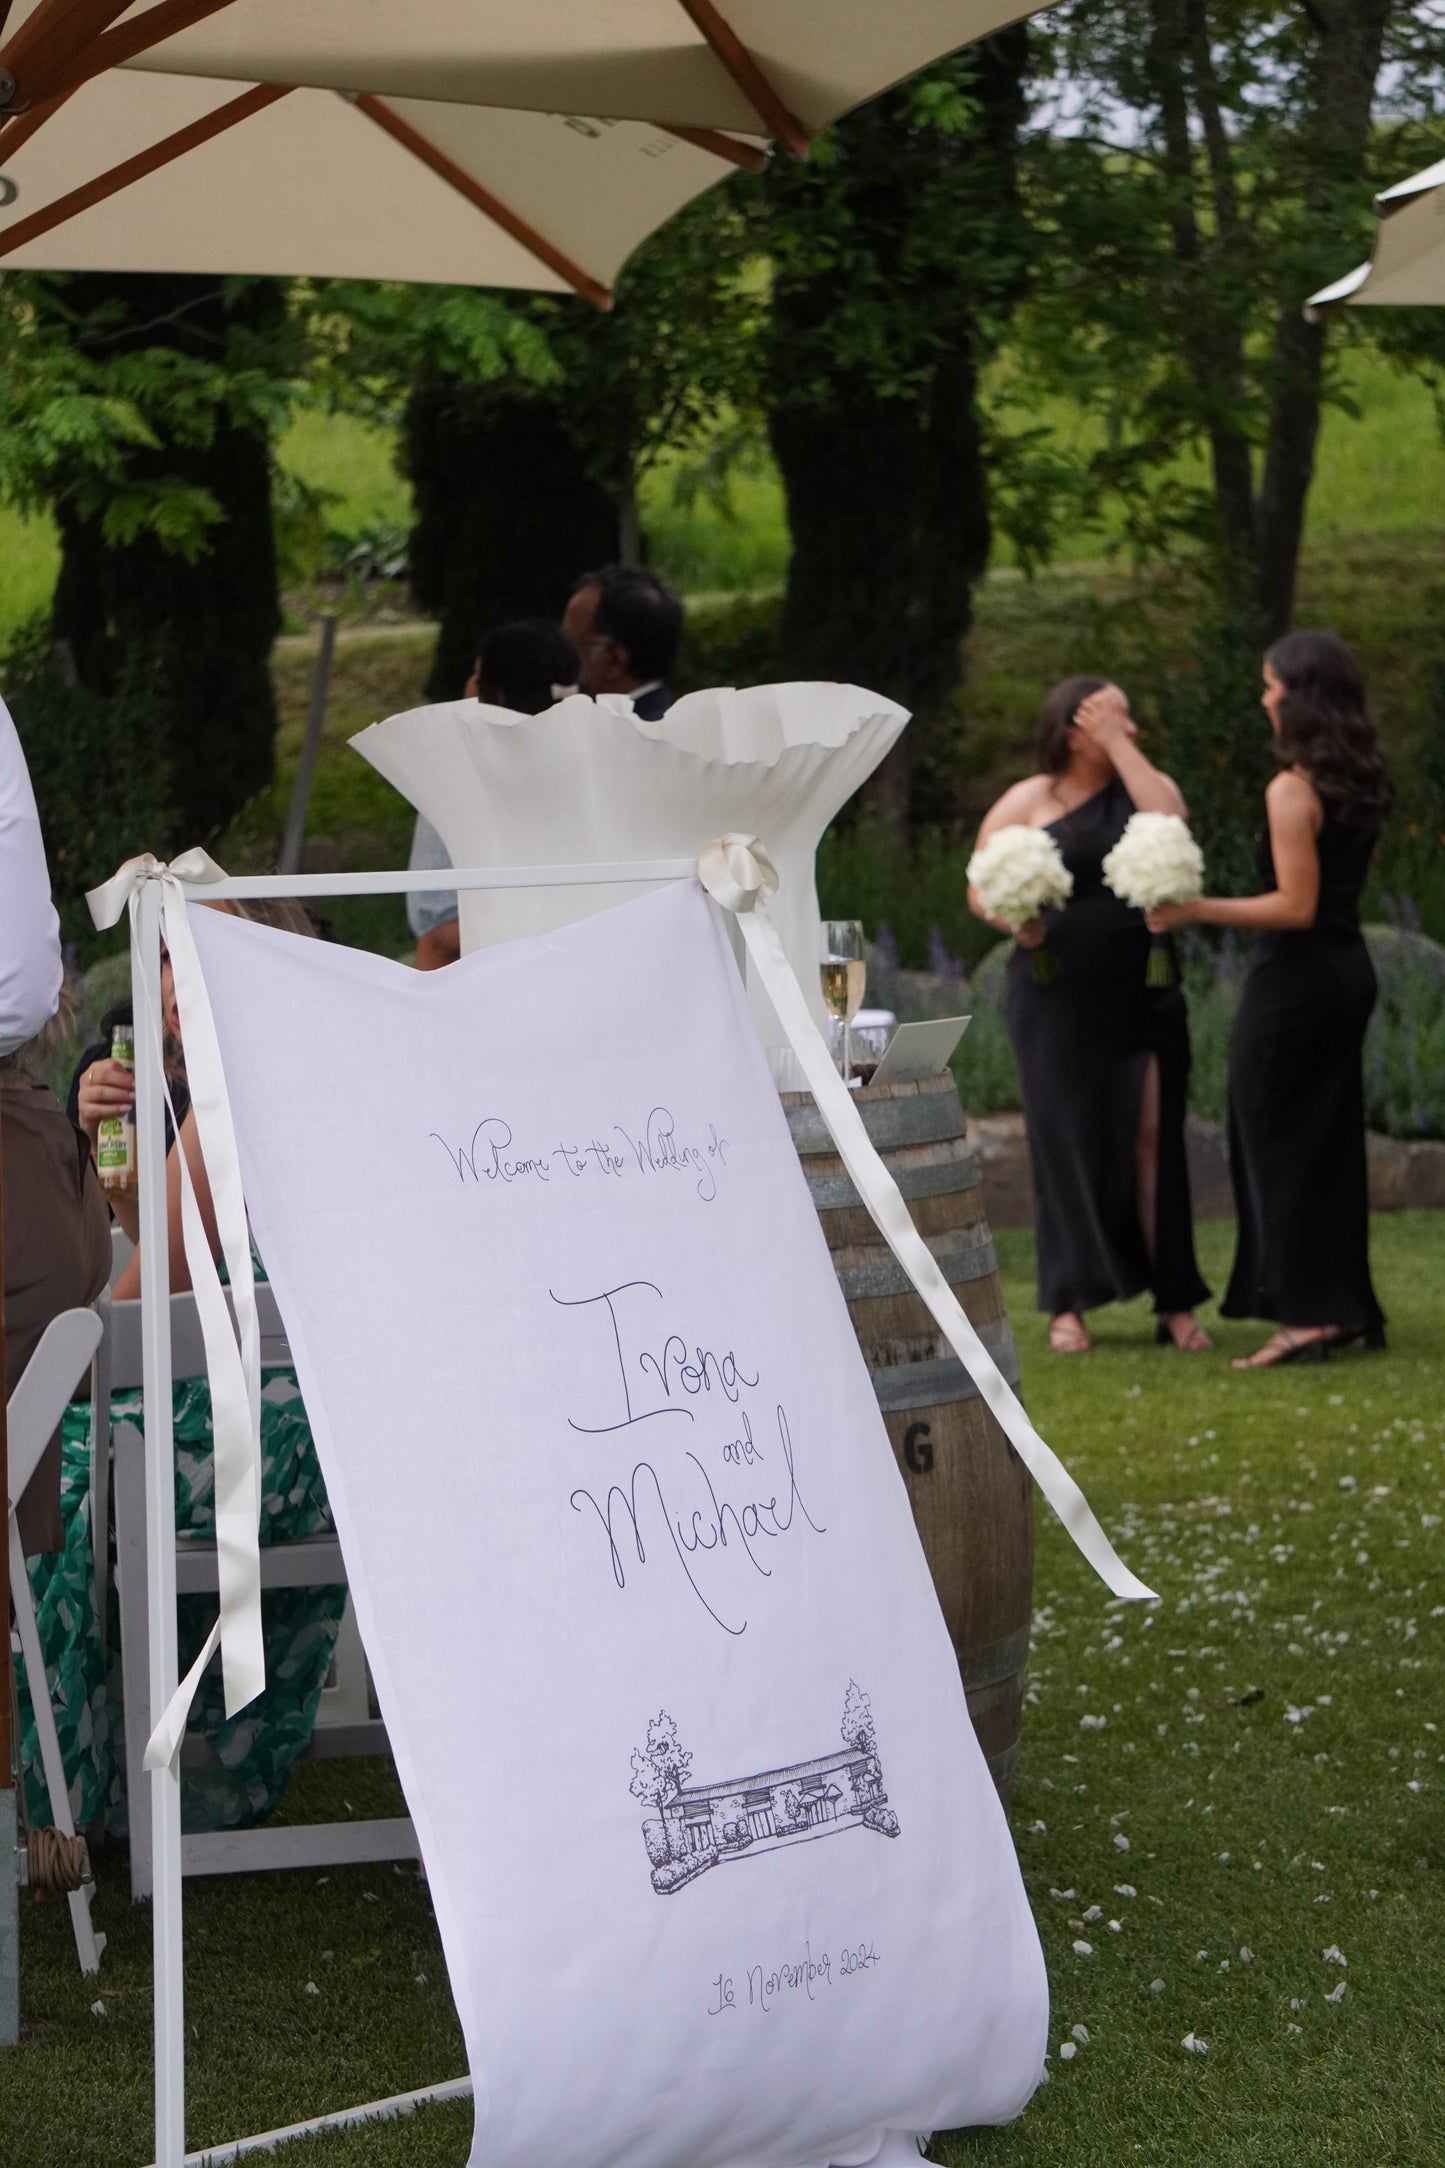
x=737 y=872
x=233 y=1367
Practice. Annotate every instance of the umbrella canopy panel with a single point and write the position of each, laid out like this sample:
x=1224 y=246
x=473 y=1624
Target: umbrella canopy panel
x=1408 y=266
x=660 y=60
x=309 y=182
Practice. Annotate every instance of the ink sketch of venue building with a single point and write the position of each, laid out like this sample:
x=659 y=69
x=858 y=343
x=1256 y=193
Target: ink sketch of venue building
x=697 y=1825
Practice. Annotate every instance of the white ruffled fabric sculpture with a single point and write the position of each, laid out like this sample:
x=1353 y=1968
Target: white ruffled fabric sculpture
x=589 y=781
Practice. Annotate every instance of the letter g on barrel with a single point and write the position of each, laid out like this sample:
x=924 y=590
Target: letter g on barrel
x=918 y=1448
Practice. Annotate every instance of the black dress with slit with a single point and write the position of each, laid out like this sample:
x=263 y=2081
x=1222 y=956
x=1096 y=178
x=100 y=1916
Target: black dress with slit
x=1084 y=1039
x=1297 y=1107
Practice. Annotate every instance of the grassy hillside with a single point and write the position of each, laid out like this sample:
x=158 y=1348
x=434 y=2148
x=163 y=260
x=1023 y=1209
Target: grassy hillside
x=1381 y=471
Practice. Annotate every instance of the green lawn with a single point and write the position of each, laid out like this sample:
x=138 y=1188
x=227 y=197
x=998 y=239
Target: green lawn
x=1265 y=1787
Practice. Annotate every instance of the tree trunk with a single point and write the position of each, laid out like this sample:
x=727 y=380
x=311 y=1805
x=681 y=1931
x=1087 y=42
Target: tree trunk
x=888 y=511
x=897 y=254
x=506 y=518
x=1351 y=35
x=206 y=628
x=1215 y=345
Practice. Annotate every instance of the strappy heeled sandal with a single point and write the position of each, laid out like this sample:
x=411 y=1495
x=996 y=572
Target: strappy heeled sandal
x=1067 y=1339
x=1195 y=1342
x=1288 y=1347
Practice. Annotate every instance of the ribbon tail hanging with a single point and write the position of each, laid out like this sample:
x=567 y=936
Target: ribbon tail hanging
x=233 y=1365
x=738 y=874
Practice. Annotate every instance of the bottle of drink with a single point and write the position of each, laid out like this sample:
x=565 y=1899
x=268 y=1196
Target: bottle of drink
x=115 y=1137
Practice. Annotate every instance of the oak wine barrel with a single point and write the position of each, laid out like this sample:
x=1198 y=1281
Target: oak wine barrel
x=971 y=1495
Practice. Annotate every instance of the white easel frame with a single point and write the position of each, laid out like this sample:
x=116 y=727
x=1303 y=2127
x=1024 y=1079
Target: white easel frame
x=165 y=1797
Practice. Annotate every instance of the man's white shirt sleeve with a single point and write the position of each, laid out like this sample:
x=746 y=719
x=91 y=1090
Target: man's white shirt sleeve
x=30 y=966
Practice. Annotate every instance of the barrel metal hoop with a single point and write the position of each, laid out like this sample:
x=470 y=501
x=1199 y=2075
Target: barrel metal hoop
x=900 y=1386
x=997 y=1662
x=960 y=1254
x=930 y=1118
x=834 y=1192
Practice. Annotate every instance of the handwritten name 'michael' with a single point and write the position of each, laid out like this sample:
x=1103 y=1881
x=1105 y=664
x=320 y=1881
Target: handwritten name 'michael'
x=492 y=1154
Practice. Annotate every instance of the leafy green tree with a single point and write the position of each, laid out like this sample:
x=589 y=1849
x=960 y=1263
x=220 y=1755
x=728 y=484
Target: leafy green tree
x=140 y=410
x=530 y=477
x=1217 y=167
x=897 y=253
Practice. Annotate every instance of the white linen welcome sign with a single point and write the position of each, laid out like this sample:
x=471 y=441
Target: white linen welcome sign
x=720 y=1874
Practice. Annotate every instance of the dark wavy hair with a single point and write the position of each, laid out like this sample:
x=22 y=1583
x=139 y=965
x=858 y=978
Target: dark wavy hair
x=1056 y=718
x=1326 y=728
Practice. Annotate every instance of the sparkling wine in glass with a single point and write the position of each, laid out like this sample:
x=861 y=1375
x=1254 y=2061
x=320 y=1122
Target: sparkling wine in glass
x=844 y=975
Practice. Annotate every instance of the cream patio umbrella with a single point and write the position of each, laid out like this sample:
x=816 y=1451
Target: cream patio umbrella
x=529 y=143
x=1409 y=260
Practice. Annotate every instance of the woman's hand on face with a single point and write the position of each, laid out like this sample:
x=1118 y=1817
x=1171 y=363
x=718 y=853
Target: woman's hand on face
x=1031 y=934
x=1104 y=717
x=106 y=1088
x=1167 y=916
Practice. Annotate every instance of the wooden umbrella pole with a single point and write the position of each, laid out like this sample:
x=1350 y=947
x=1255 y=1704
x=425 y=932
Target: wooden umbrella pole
x=44 y=43
x=110 y=50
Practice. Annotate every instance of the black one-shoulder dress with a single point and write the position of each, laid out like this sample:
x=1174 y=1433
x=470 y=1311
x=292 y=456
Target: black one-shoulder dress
x=1297 y=1107
x=1083 y=1040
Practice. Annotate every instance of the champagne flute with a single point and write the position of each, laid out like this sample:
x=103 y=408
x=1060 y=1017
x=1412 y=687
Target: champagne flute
x=844 y=974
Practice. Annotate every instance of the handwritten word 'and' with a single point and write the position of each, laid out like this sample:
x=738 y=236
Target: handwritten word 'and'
x=768 y=1985
x=493 y=1155
x=688 y=1402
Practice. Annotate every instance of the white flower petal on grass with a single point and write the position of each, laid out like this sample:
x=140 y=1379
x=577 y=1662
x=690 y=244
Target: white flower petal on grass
x=1156 y=1987
x=1337 y=1994
x=1067 y=2052
x=97 y=2009
x=1246 y=1957
x=1018 y=873
x=1095 y=1912
x=1289 y=2029
x=1079 y=2033
x=1125 y=1889
x=1038 y=1829
x=312 y=1988
x=1121 y=1842
x=1093 y=1723
x=1156 y=860
x=1334 y=1955
x=1193 y=2045
x=1083 y=1949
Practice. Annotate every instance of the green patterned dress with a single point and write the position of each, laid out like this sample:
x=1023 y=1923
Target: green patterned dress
x=252 y=1755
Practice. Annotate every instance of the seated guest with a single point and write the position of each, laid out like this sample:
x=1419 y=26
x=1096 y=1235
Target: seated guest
x=57 y=1238
x=102 y=1087
x=528 y=667
x=626 y=626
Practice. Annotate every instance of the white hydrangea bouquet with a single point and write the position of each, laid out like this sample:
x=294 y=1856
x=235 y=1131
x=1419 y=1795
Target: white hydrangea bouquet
x=1156 y=861
x=1018 y=874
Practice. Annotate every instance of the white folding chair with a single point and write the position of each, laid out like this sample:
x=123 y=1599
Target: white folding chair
x=35 y=1408
x=314 y=1561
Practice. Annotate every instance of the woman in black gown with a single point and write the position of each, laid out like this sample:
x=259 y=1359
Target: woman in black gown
x=1103 y=1057
x=1296 y=1087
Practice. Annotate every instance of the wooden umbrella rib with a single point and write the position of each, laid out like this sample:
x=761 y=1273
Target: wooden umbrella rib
x=749 y=77
x=47 y=40
x=446 y=169
x=128 y=40
x=144 y=163
x=746 y=155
